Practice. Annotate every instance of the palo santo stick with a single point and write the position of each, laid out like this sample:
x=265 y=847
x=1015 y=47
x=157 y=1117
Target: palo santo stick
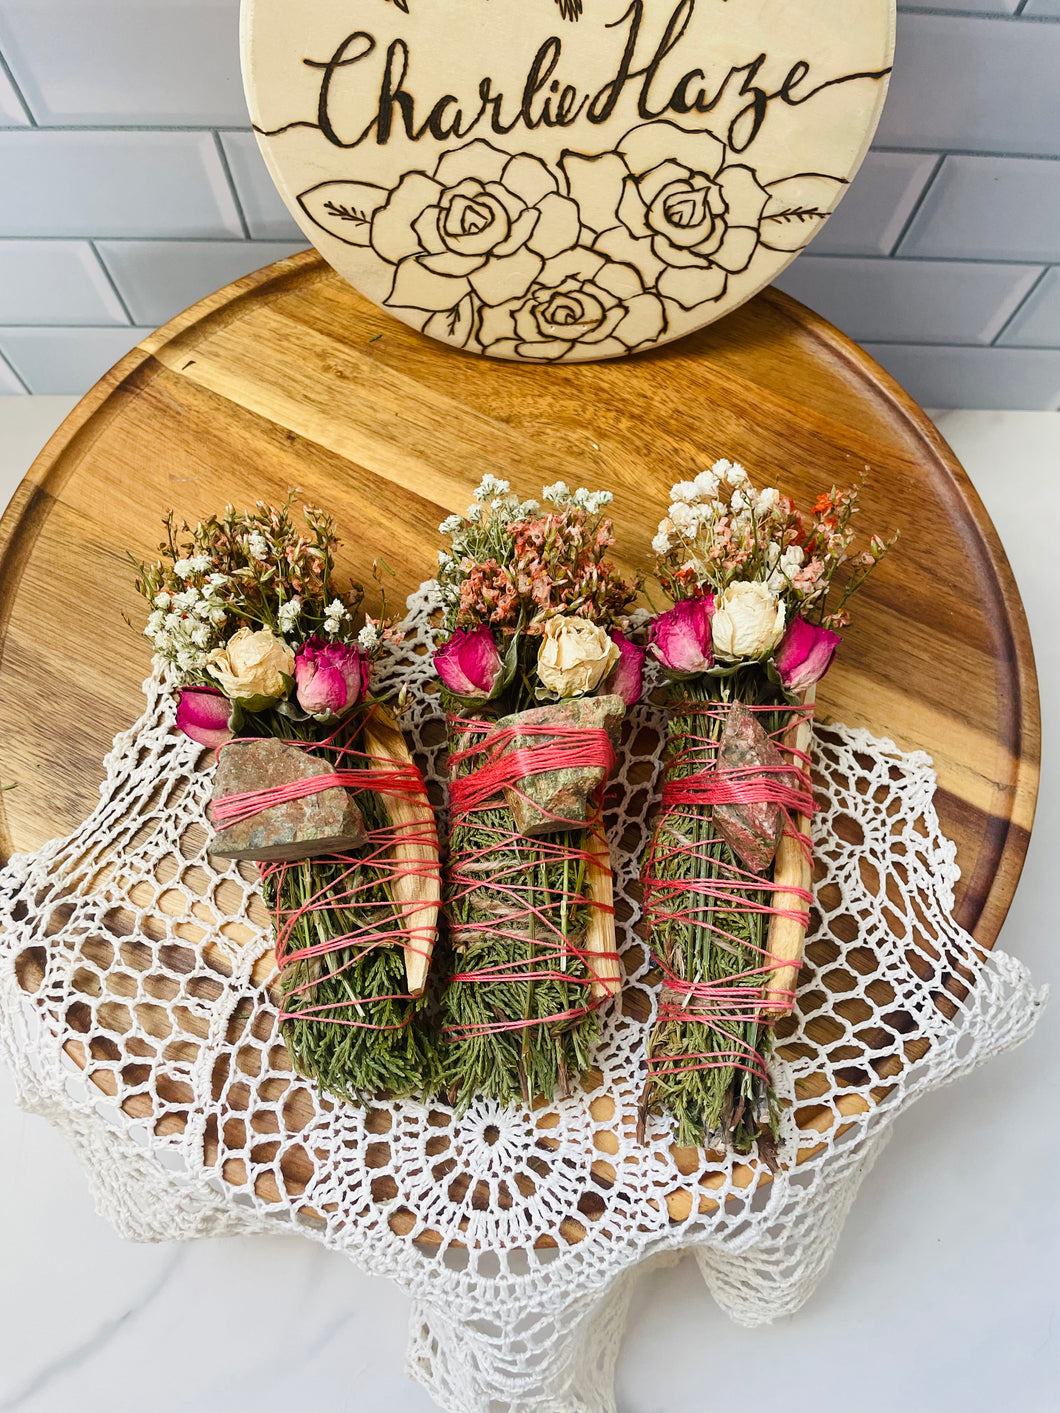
x=600 y=936
x=418 y=892
x=793 y=870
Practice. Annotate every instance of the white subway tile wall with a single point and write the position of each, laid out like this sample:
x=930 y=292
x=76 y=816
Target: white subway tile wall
x=93 y=182
x=159 y=278
x=55 y=282
x=1038 y=320
x=130 y=63
x=911 y=301
x=9 y=382
x=64 y=360
x=972 y=84
x=876 y=210
x=1025 y=379
x=13 y=112
x=990 y=208
x=266 y=215
x=131 y=185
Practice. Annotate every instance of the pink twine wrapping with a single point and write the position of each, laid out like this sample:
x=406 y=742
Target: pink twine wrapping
x=493 y=864
x=235 y=809
x=373 y=864
x=720 y=1004
x=568 y=748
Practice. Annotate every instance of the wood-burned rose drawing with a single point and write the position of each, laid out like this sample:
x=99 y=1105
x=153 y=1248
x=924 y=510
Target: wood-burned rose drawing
x=591 y=257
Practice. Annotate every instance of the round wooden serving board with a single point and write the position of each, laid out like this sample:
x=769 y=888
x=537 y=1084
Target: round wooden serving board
x=289 y=378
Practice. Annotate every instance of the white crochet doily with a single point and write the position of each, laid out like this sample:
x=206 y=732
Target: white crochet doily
x=130 y=1017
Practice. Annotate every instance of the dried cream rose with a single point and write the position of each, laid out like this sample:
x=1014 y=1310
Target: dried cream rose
x=575 y=656
x=748 y=621
x=253 y=667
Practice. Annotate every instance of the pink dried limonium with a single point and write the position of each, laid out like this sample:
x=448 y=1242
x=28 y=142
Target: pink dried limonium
x=517 y=562
x=488 y=595
x=530 y=598
x=559 y=564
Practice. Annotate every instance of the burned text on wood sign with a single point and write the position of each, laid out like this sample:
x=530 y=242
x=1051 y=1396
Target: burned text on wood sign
x=529 y=189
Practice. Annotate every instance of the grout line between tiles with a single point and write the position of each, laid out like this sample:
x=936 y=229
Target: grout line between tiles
x=5 y=68
x=228 y=239
x=223 y=155
x=979 y=14
x=112 y=282
x=5 y=362
x=1019 y=309
x=199 y=129
x=1024 y=261
x=917 y=206
x=936 y=148
x=75 y=329
x=955 y=347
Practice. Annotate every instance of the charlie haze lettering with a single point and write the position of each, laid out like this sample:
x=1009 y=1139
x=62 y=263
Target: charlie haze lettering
x=545 y=101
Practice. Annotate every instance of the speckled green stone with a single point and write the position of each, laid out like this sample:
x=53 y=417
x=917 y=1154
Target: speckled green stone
x=558 y=800
x=326 y=823
x=753 y=830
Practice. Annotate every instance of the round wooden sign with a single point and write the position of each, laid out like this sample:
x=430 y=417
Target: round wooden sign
x=561 y=180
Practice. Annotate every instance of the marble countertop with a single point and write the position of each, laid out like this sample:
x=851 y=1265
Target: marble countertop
x=943 y=1298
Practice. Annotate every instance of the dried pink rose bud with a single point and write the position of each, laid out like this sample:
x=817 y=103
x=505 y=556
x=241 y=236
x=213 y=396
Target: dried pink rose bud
x=805 y=654
x=331 y=678
x=681 y=638
x=469 y=663
x=206 y=716
x=627 y=678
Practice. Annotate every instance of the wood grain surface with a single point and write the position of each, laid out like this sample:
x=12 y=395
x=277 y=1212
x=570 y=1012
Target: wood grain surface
x=289 y=378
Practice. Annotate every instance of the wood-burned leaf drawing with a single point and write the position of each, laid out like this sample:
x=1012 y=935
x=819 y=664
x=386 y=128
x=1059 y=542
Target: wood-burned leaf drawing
x=797 y=208
x=346 y=213
x=402 y=5
x=344 y=209
x=454 y=325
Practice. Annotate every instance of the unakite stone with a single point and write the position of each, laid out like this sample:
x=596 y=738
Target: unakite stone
x=328 y=822
x=557 y=800
x=753 y=831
